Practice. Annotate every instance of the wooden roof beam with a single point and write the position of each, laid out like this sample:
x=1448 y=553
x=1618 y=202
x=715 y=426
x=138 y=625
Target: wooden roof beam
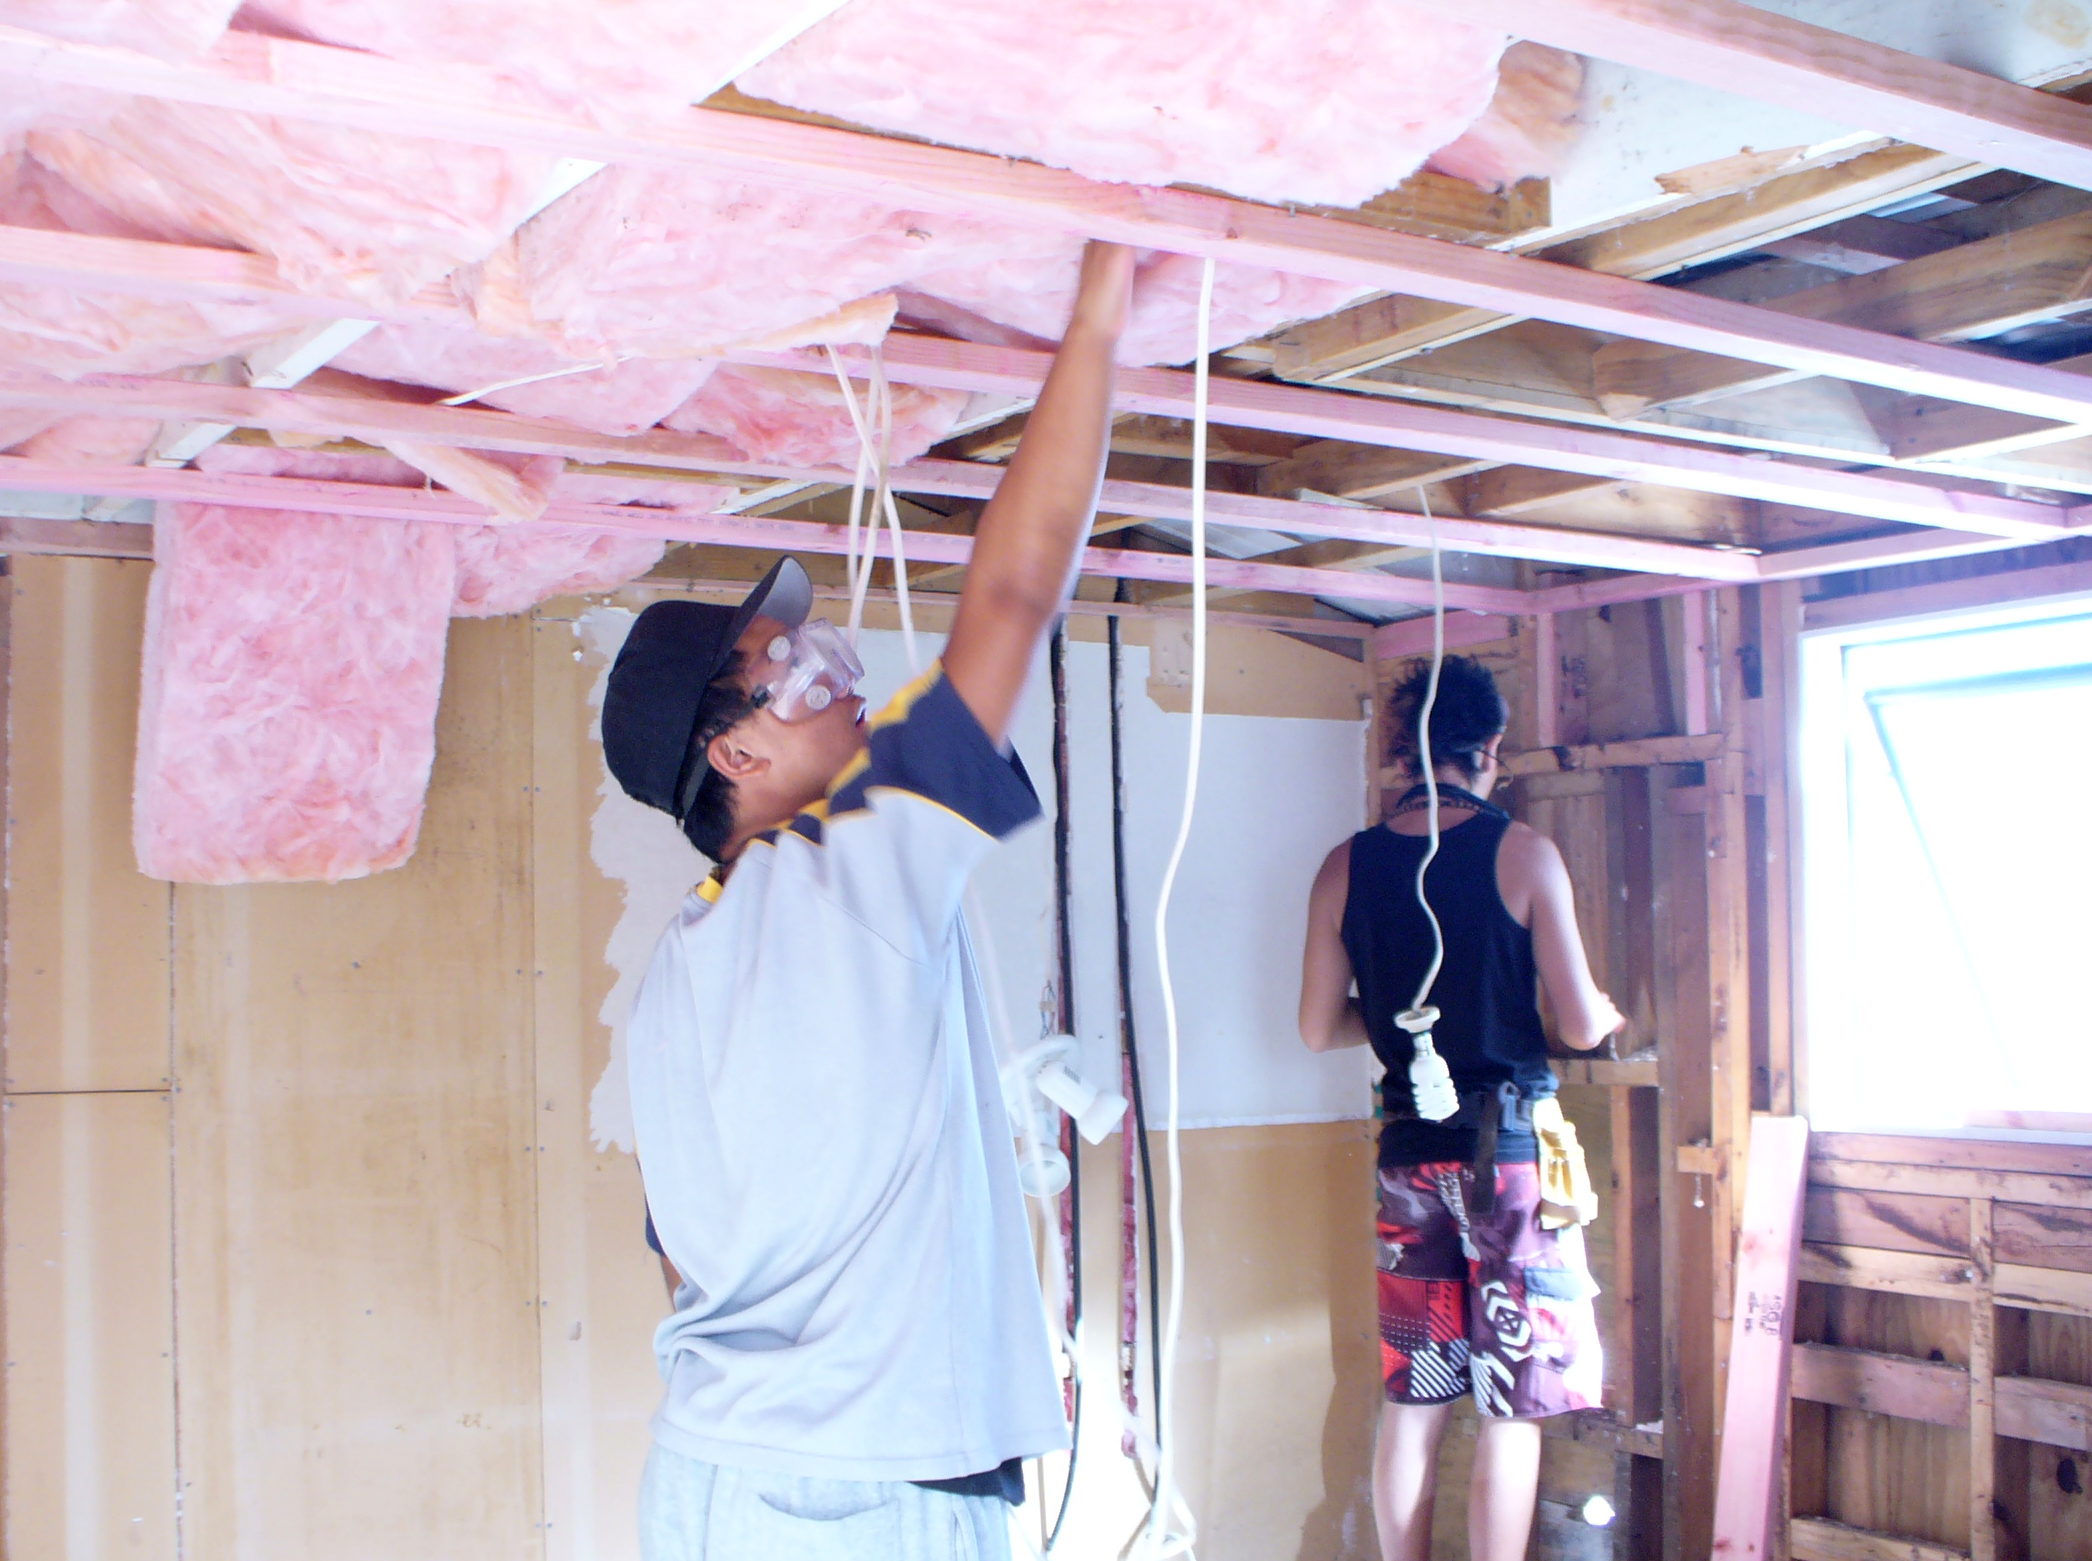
x=332 y=412
x=1384 y=330
x=376 y=501
x=1758 y=53
x=1322 y=414
x=311 y=81
x=1972 y=290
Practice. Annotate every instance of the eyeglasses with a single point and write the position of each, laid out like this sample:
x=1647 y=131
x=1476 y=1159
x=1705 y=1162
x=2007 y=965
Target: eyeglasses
x=805 y=670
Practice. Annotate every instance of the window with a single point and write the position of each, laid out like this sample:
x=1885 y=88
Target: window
x=1946 y=953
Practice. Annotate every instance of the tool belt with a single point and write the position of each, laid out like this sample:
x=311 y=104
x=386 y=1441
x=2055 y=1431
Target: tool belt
x=1566 y=1195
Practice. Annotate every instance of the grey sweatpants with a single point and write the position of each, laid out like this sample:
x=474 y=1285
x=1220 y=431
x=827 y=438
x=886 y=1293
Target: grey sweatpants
x=692 y=1511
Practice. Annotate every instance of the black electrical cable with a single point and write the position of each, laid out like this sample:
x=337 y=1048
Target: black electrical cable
x=1057 y=663
x=1128 y=1037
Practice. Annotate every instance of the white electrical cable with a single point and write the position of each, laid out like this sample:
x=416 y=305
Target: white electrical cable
x=532 y=379
x=874 y=452
x=1158 y=1539
x=1432 y=1093
x=1423 y=738
x=858 y=576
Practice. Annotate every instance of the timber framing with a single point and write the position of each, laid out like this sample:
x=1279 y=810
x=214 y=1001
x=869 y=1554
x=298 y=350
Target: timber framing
x=1344 y=479
x=311 y=81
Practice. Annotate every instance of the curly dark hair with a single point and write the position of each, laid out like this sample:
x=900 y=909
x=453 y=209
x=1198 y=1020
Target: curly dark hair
x=1468 y=712
x=726 y=704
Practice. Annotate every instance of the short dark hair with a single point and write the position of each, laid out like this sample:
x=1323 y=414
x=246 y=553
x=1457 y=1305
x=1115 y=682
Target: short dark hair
x=709 y=824
x=1468 y=711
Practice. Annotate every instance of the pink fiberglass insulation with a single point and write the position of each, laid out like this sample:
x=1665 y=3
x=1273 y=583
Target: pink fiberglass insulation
x=342 y=211
x=624 y=398
x=581 y=485
x=505 y=569
x=91 y=441
x=512 y=487
x=795 y=419
x=1530 y=125
x=59 y=331
x=672 y=265
x=260 y=460
x=1329 y=101
x=619 y=61
x=287 y=719
x=1034 y=298
x=666 y=265
x=171 y=29
x=18 y=424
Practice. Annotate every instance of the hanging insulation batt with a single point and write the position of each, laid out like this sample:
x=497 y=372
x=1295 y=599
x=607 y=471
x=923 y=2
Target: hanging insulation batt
x=1328 y=101
x=287 y=715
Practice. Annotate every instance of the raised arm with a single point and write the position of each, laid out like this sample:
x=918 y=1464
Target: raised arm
x=1031 y=533
x=1584 y=1014
x=1329 y=1016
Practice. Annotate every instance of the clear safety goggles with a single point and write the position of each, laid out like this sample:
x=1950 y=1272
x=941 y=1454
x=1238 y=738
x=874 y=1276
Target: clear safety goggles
x=805 y=670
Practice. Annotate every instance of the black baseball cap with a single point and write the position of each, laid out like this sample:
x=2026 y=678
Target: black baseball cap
x=671 y=656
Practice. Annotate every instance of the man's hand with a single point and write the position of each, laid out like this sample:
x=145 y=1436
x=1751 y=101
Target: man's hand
x=1031 y=533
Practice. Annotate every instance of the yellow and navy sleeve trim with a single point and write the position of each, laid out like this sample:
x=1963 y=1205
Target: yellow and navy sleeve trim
x=928 y=744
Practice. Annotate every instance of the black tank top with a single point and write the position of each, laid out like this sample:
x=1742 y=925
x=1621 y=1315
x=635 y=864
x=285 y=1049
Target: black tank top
x=1489 y=1028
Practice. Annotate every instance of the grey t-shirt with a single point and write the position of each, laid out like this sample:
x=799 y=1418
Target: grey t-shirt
x=822 y=1134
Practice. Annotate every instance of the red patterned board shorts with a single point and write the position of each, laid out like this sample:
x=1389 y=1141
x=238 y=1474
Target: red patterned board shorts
x=1491 y=1304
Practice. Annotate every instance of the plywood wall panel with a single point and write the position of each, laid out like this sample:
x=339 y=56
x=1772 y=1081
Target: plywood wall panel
x=356 y=1135
x=1898 y=1477
x=90 y=1463
x=600 y=1285
x=87 y=935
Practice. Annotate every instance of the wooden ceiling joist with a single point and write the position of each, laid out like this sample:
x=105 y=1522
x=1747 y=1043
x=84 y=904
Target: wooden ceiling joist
x=311 y=81
x=1385 y=330
x=1755 y=52
x=333 y=415
x=379 y=502
x=1970 y=291
x=1319 y=414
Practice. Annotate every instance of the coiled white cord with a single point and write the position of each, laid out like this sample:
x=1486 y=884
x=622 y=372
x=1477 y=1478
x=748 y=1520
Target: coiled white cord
x=874 y=459
x=1430 y=1081
x=1159 y=1538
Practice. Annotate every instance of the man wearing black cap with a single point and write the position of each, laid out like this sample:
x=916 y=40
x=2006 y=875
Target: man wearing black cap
x=858 y=1361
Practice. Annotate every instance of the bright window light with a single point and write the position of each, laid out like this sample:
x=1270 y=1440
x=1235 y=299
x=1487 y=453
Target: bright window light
x=1947 y=873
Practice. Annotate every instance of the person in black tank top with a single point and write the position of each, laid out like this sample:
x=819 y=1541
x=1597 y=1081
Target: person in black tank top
x=1477 y=1295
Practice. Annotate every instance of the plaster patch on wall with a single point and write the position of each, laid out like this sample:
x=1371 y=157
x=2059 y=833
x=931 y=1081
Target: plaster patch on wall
x=640 y=849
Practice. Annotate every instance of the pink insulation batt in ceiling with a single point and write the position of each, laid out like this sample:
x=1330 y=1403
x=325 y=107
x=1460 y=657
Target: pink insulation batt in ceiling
x=668 y=265
x=623 y=398
x=1530 y=125
x=1327 y=101
x=618 y=61
x=171 y=29
x=58 y=331
x=799 y=419
x=287 y=718
x=344 y=212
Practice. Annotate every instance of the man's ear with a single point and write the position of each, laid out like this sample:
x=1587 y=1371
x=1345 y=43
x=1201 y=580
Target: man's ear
x=732 y=757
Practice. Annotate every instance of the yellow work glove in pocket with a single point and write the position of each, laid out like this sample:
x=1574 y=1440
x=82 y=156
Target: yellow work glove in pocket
x=1566 y=1197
